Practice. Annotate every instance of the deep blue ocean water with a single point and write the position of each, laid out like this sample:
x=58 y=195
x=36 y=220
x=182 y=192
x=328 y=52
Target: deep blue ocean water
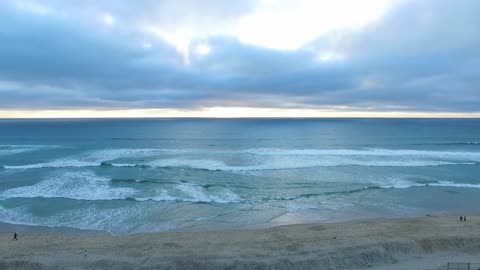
x=146 y=175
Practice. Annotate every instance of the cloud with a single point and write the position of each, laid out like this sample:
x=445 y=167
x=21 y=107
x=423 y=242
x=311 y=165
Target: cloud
x=419 y=56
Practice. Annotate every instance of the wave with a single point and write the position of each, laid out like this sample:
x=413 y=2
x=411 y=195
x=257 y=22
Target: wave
x=405 y=183
x=265 y=159
x=454 y=184
x=314 y=195
x=109 y=164
x=297 y=163
x=451 y=143
x=197 y=193
x=71 y=185
x=364 y=152
x=95 y=159
x=113 y=154
x=216 y=165
x=376 y=185
x=89 y=186
x=194 y=193
x=204 y=164
x=12 y=149
x=137 y=180
x=166 y=182
x=56 y=164
x=89 y=217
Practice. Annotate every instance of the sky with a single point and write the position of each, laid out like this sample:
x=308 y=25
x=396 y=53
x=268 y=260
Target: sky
x=246 y=58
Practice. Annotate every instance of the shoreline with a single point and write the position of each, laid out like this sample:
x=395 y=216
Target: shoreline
x=380 y=243
x=6 y=228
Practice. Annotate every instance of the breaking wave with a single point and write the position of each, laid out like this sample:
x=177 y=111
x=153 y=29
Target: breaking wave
x=89 y=186
x=263 y=159
x=12 y=149
x=366 y=152
x=56 y=164
x=399 y=183
x=71 y=185
x=195 y=193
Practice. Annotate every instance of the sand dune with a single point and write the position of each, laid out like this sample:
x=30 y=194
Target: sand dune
x=383 y=244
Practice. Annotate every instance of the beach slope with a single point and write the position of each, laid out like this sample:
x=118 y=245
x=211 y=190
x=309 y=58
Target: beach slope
x=380 y=244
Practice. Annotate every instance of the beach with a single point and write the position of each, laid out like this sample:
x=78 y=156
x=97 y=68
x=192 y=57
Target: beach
x=425 y=242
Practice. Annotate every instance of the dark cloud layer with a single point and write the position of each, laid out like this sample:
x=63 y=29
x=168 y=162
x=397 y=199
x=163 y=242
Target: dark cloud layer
x=421 y=56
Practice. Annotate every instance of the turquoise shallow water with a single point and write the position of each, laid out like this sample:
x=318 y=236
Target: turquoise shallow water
x=145 y=175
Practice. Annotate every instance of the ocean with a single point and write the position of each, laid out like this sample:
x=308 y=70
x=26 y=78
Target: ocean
x=128 y=176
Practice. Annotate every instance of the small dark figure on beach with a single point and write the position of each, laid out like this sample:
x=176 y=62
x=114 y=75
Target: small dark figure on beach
x=461 y=218
x=464 y=218
x=15 y=236
x=85 y=254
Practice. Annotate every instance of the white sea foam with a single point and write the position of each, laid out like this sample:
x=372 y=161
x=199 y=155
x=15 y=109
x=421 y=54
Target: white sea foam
x=73 y=185
x=56 y=164
x=114 y=220
x=400 y=183
x=17 y=149
x=4 y=152
x=274 y=159
x=288 y=162
x=162 y=197
x=189 y=192
x=266 y=158
x=364 y=152
x=453 y=184
x=97 y=157
x=112 y=154
x=123 y=164
x=196 y=193
x=206 y=164
x=88 y=186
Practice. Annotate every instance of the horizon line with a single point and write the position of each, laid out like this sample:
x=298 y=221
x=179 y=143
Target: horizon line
x=224 y=113
x=240 y=117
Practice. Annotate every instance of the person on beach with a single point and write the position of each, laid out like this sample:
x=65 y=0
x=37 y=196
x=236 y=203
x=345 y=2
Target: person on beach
x=15 y=235
x=85 y=254
x=464 y=218
x=461 y=218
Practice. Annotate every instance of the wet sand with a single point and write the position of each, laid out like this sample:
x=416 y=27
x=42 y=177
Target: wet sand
x=425 y=242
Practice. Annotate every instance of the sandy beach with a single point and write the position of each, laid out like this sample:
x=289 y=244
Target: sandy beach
x=422 y=243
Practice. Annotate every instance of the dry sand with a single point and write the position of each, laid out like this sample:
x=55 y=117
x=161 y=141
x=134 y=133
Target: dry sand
x=413 y=243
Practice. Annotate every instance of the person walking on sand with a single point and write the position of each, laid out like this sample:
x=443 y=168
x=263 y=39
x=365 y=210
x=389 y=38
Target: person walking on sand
x=85 y=254
x=15 y=236
x=461 y=218
x=464 y=218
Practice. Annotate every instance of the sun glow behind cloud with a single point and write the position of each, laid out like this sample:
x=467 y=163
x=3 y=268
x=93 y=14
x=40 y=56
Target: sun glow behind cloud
x=202 y=49
x=277 y=24
x=289 y=25
x=108 y=19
